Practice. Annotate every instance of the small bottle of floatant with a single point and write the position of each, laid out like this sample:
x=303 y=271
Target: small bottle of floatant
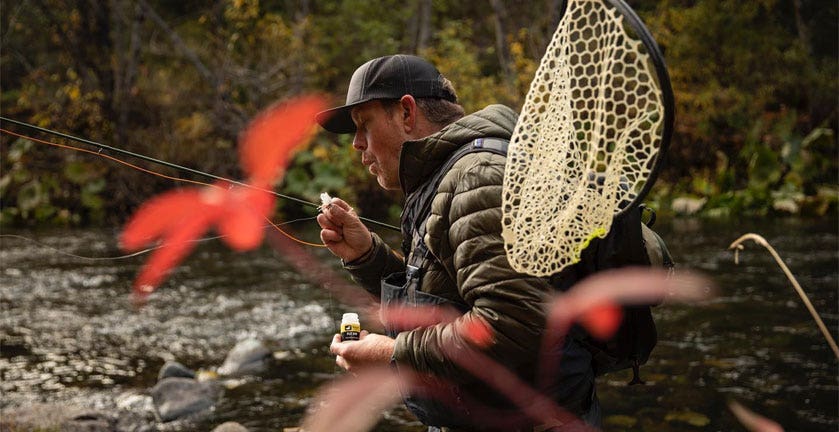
x=350 y=327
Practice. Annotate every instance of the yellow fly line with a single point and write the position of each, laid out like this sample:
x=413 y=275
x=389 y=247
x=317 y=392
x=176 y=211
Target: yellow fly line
x=585 y=142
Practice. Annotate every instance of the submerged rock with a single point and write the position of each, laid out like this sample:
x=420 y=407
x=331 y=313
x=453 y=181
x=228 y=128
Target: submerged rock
x=90 y=422
x=172 y=369
x=39 y=416
x=249 y=356
x=230 y=427
x=72 y=417
x=177 y=397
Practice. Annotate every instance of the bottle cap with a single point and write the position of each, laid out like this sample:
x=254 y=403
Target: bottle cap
x=350 y=317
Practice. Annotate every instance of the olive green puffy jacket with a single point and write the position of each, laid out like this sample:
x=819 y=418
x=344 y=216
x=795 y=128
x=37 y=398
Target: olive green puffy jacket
x=464 y=235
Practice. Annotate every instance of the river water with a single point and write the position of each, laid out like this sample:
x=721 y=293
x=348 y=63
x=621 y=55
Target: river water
x=71 y=335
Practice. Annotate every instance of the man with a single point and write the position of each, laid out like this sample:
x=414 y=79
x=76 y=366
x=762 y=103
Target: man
x=406 y=123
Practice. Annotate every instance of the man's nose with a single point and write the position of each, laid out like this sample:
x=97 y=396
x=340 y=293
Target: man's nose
x=358 y=141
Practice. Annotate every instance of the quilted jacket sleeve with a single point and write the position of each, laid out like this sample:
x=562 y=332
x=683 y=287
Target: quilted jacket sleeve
x=379 y=262
x=466 y=218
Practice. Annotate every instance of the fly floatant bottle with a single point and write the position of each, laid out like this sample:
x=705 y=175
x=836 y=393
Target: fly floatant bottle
x=350 y=327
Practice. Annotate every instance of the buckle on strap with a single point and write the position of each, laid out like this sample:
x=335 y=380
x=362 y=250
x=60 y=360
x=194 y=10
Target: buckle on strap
x=412 y=272
x=495 y=144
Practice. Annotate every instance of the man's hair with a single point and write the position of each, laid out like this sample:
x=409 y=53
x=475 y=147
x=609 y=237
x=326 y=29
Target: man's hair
x=441 y=112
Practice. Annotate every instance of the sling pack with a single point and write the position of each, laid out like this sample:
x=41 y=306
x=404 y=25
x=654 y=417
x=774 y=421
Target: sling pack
x=630 y=242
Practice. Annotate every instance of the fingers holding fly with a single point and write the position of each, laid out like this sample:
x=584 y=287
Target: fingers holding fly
x=339 y=212
x=326 y=223
x=338 y=202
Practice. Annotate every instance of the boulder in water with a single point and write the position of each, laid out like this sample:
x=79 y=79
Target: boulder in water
x=230 y=427
x=177 y=397
x=249 y=356
x=174 y=369
x=91 y=421
x=73 y=417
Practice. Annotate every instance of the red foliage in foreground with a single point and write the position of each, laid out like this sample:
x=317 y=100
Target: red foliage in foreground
x=238 y=213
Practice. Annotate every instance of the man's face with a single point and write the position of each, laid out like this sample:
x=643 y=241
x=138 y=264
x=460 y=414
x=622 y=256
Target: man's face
x=379 y=137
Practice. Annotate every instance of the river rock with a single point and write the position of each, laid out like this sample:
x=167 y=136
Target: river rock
x=38 y=416
x=172 y=369
x=73 y=417
x=230 y=427
x=688 y=205
x=177 y=397
x=249 y=356
x=91 y=421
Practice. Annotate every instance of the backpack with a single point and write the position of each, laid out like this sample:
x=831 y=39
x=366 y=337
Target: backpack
x=630 y=242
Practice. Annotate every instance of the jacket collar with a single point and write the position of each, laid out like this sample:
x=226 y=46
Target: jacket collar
x=419 y=159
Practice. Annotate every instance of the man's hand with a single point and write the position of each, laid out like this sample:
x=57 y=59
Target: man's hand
x=370 y=350
x=342 y=231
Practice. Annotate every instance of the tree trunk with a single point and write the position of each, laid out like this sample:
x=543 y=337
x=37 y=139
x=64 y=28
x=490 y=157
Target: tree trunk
x=125 y=73
x=804 y=38
x=419 y=26
x=424 y=30
x=556 y=10
x=500 y=20
x=229 y=115
x=298 y=81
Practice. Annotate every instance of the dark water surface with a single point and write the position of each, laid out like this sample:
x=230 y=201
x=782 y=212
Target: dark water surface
x=70 y=333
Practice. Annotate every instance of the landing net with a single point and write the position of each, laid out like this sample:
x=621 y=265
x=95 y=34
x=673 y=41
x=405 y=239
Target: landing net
x=587 y=139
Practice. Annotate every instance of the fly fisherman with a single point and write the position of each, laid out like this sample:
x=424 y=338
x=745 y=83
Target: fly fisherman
x=407 y=124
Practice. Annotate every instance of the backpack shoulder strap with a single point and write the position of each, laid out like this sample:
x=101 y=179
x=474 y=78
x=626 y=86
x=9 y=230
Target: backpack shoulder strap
x=418 y=204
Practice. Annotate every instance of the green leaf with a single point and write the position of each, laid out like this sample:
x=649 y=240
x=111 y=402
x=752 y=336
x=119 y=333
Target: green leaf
x=95 y=186
x=77 y=172
x=30 y=196
x=44 y=212
x=764 y=167
x=620 y=421
x=91 y=201
x=5 y=181
x=18 y=149
x=690 y=417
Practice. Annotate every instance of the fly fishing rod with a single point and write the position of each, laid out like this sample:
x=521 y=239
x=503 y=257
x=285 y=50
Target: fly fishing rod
x=177 y=167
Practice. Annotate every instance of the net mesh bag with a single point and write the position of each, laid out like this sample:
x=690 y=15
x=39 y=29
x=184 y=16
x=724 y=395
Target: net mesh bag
x=585 y=142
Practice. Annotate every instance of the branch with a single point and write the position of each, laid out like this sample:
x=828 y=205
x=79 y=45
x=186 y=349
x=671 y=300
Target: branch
x=738 y=246
x=213 y=79
x=181 y=46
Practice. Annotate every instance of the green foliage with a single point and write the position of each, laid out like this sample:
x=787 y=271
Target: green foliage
x=777 y=171
x=41 y=196
x=755 y=86
x=457 y=59
x=313 y=173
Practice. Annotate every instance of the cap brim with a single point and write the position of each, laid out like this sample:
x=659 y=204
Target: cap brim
x=337 y=120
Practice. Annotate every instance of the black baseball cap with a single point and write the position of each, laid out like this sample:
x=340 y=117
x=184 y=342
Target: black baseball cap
x=389 y=77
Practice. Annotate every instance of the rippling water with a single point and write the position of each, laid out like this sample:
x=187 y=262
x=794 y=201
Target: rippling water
x=70 y=333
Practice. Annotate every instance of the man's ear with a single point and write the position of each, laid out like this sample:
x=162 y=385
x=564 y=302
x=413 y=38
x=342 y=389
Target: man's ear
x=408 y=112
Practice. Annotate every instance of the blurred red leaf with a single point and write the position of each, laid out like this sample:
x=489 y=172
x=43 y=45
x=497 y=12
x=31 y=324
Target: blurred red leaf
x=243 y=221
x=408 y=317
x=353 y=403
x=177 y=244
x=752 y=421
x=602 y=320
x=266 y=146
x=157 y=216
x=177 y=219
x=477 y=331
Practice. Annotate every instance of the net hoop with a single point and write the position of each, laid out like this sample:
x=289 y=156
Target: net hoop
x=591 y=138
